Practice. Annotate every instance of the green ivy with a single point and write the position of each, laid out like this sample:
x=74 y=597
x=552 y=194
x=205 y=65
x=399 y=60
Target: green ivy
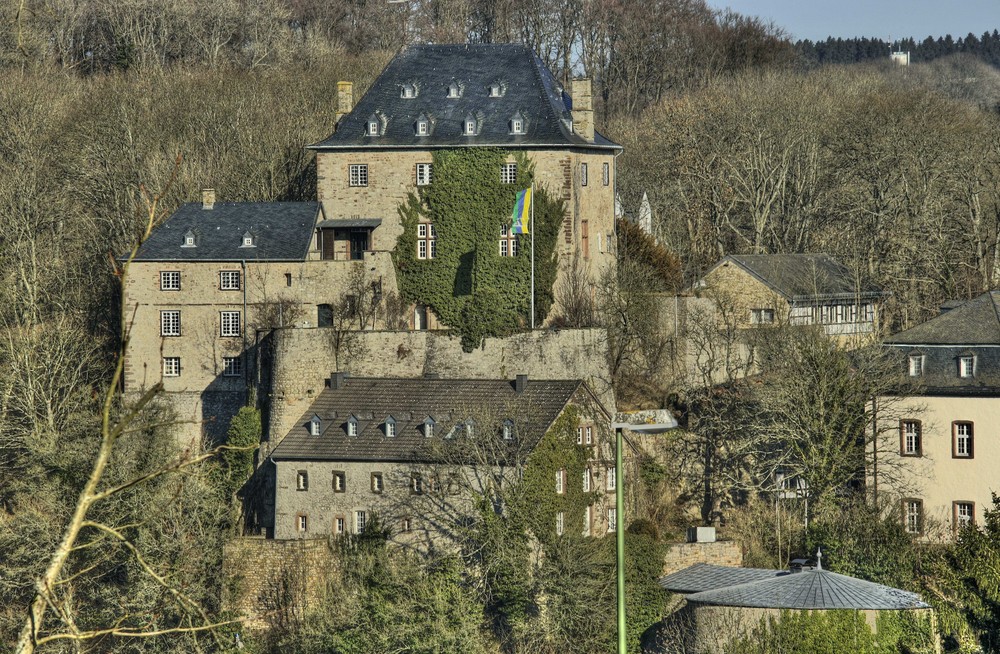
x=468 y=285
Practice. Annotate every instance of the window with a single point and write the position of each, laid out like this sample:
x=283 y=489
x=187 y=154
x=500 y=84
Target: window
x=338 y=524
x=230 y=323
x=611 y=478
x=916 y=365
x=232 y=366
x=426 y=241
x=508 y=429
x=588 y=513
x=302 y=480
x=508 y=173
x=612 y=519
x=314 y=426
x=288 y=279
x=390 y=427
x=248 y=241
x=189 y=240
x=585 y=238
x=516 y=126
x=424 y=174
x=583 y=174
x=470 y=126
x=910 y=438
x=962 y=441
x=171 y=366
x=428 y=427
x=606 y=174
x=359 y=522
x=560 y=481
x=454 y=90
x=761 y=316
x=508 y=241
x=352 y=426
x=470 y=428
x=409 y=91
x=496 y=90
x=965 y=514
x=229 y=280
x=913 y=516
x=339 y=481
x=358 y=174
x=377 y=482
x=170 y=323
x=586 y=480
x=590 y=435
x=170 y=280
x=560 y=523
x=966 y=365
x=302 y=522
x=423 y=127
x=406 y=525
x=579 y=435
x=416 y=484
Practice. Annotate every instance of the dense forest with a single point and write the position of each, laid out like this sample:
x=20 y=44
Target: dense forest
x=856 y=50
x=743 y=142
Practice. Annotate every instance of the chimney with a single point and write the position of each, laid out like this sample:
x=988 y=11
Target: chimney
x=208 y=199
x=345 y=99
x=338 y=379
x=583 y=108
x=520 y=382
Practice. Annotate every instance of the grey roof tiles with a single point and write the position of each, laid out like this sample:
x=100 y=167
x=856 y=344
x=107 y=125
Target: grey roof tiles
x=281 y=231
x=976 y=322
x=705 y=576
x=450 y=402
x=804 y=277
x=528 y=90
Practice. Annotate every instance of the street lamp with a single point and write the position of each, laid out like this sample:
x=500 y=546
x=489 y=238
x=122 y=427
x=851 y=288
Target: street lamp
x=642 y=428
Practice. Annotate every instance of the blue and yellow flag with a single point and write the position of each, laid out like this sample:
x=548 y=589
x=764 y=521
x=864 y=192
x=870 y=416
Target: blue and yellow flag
x=522 y=211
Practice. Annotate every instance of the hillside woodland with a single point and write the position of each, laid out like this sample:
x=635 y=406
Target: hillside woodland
x=742 y=143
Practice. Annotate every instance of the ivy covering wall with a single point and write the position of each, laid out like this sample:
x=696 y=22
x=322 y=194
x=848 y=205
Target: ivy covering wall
x=468 y=285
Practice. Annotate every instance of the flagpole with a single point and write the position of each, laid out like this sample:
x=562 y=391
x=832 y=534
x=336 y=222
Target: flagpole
x=532 y=229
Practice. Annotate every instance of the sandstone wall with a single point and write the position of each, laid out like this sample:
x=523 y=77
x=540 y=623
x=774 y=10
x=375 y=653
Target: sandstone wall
x=721 y=552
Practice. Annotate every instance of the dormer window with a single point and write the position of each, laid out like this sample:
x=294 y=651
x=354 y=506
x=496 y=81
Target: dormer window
x=471 y=126
x=454 y=90
x=248 y=241
x=508 y=429
x=189 y=240
x=497 y=89
x=352 y=426
x=966 y=365
x=428 y=427
x=517 y=126
x=390 y=427
x=916 y=365
x=470 y=428
x=408 y=91
x=374 y=126
x=315 y=424
x=423 y=127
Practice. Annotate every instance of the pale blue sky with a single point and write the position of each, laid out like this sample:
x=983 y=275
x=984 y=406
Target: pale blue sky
x=817 y=19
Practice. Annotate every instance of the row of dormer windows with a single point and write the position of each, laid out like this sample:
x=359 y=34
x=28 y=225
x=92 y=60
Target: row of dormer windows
x=467 y=427
x=424 y=125
x=455 y=89
x=191 y=240
x=966 y=365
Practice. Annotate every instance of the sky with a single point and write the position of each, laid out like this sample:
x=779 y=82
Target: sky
x=818 y=19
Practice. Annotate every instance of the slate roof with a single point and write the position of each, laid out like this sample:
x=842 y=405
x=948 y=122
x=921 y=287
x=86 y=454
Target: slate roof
x=282 y=231
x=803 y=278
x=972 y=327
x=705 y=576
x=811 y=589
x=529 y=89
x=450 y=402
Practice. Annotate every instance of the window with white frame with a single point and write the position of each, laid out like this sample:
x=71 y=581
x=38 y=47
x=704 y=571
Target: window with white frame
x=583 y=174
x=588 y=516
x=913 y=516
x=302 y=522
x=315 y=426
x=373 y=126
x=302 y=480
x=579 y=435
x=247 y=240
x=352 y=426
x=339 y=481
x=454 y=90
x=423 y=127
x=496 y=90
x=508 y=241
x=426 y=241
x=470 y=126
x=606 y=174
x=170 y=280
x=428 y=427
x=416 y=484
x=916 y=365
x=229 y=280
x=910 y=438
x=390 y=427
x=586 y=480
x=560 y=523
x=962 y=444
x=358 y=174
x=409 y=91
x=761 y=316
x=360 y=520
x=406 y=524
x=189 y=240
x=508 y=173
x=425 y=173
x=171 y=366
x=610 y=477
x=377 y=482
x=230 y=323
x=517 y=126
x=590 y=435
x=612 y=519
x=170 y=323
x=232 y=366
x=965 y=514
x=966 y=365
x=560 y=482
x=508 y=429
x=338 y=524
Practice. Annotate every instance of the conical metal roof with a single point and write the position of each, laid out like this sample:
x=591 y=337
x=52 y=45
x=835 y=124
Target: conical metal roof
x=811 y=589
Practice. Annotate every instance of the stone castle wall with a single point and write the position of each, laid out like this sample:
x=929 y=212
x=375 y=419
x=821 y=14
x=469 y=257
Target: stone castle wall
x=721 y=552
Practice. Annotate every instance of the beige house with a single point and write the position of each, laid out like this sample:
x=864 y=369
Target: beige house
x=414 y=452
x=795 y=289
x=944 y=448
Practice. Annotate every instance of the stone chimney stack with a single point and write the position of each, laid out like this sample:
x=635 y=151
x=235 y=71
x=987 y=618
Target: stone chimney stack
x=208 y=199
x=520 y=383
x=337 y=379
x=345 y=99
x=583 y=108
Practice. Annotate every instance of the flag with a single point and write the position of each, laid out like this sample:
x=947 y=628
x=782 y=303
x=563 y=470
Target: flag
x=522 y=210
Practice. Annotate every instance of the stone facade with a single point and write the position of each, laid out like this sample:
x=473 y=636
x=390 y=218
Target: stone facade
x=682 y=555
